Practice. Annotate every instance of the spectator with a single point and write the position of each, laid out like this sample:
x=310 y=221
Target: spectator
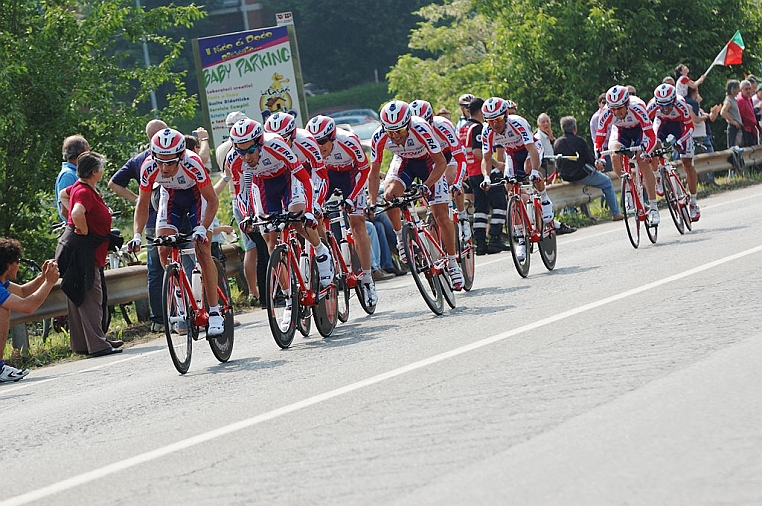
x=631 y=90
x=119 y=184
x=202 y=136
x=701 y=136
x=377 y=272
x=748 y=118
x=683 y=82
x=463 y=102
x=445 y=113
x=585 y=170
x=544 y=133
x=73 y=146
x=24 y=298
x=730 y=112
x=668 y=80
x=594 y=127
x=221 y=151
x=81 y=254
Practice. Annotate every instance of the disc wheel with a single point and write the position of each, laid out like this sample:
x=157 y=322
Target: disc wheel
x=652 y=231
x=672 y=203
x=548 y=245
x=467 y=261
x=278 y=267
x=360 y=287
x=444 y=276
x=631 y=220
x=222 y=345
x=178 y=319
x=518 y=232
x=326 y=311
x=423 y=275
x=304 y=318
x=682 y=200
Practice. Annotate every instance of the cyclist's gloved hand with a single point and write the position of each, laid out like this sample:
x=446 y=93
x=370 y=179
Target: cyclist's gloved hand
x=457 y=189
x=309 y=220
x=349 y=205
x=199 y=234
x=426 y=192
x=535 y=175
x=484 y=185
x=133 y=246
x=245 y=224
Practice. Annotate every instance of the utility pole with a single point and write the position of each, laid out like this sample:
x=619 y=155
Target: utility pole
x=154 y=105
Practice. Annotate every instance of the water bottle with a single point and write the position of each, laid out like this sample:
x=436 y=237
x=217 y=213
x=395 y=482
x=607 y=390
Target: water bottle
x=196 y=285
x=531 y=211
x=345 y=252
x=304 y=267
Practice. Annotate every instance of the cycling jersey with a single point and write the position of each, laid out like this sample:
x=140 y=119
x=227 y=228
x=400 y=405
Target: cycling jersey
x=448 y=140
x=191 y=172
x=420 y=142
x=514 y=138
x=348 y=169
x=677 y=120
x=471 y=137
x=636 y=125
x=307 y=151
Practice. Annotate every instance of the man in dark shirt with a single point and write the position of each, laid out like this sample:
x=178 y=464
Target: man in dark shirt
x=586 y=169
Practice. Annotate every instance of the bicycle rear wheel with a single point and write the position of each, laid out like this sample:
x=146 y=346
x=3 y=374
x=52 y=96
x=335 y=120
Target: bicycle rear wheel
x=548 y=245
x=518 y=231
x=222 y=345
x=276 y=298
x=682 y=200
x=672 y=203
x=652 y=231
x=423 y=275
x=326 y=311
x=178 y=319
x=467 y=261
x=631 y=219
x=360 y=287
x=444 y=276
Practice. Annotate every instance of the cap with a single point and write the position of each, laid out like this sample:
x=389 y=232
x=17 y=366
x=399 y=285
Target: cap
x=233 y=118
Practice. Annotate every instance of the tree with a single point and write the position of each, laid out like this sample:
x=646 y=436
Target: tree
x=63 y=74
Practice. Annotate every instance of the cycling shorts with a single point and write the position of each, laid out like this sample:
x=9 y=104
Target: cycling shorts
x=346 y=181
x=277 y=194
x=176 y=204
x=627 y=137
x=676 y=129
x=405 y=170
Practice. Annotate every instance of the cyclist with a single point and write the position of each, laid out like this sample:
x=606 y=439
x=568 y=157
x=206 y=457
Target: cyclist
x=671 y=116
x=347 y=169
x=523 y=153
x=273 y=179
x=416 y=154
x=186 y=190
x=454 y=153
x=463 y=102
x=631 y=126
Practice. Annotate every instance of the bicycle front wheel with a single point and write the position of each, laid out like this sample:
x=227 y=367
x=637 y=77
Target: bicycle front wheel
x=548 y=245
x=178 y=320
x=326 y=311
x=630 y=210
x=652 y=231
x=282 y=324
x=518 y=235
x=423 y=274
x=222 y=345
x=672 y=203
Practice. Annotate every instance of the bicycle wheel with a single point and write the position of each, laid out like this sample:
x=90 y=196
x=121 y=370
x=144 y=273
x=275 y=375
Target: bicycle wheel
x=342 y=300
x=360 y=287
x=178 y=320
x=423 y=275
x=326 y=311
x=222 y=345
x=467 y=261
x=548 y=246
x=682 y=200
x=631 y=220
x=672 y=203
x=652 y=231
x=276 y=298
x=518 y=230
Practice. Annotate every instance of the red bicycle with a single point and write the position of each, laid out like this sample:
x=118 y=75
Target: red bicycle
x=674 y=191
x=465 y=248
x=184 y=315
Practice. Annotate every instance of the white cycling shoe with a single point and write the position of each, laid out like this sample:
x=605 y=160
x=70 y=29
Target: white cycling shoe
x=216 y=324
x=465 y=230
x=371 y=297
x=285 y=321
x=547 y=211
x=521 y=250
x=653 y=217
x=456 y=276
x=695 y=212
x=325 y=269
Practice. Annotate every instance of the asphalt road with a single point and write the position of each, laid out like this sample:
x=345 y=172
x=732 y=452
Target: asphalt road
x=623 y=377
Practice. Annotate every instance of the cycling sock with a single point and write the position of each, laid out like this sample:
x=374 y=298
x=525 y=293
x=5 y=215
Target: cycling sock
x=214 y=309
x=693 y=198
x=367 y=276
x=544 y=196
x=463 y=215
x=652 y=204
x=452 y=260
x=399 y=236
x=321 y=249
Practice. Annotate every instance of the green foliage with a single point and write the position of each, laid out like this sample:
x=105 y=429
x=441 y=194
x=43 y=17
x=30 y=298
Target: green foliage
x=364 y=96
x=65 y=74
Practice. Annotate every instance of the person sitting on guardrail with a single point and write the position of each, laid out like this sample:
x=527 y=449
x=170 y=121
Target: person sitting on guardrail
x=24 y=298
x=585 y=169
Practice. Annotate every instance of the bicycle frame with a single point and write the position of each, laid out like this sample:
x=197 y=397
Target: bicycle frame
x=347 y=272
x=411 y=216
x=516 y=190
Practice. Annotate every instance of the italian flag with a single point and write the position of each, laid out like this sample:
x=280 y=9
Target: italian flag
x=732 y=53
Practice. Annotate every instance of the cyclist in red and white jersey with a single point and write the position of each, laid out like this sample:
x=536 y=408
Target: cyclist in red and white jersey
x=671 y=116
x=455 y=154
x=417 y=154
x=271 y=174
x=347 y=169
x=631 y=127
x=186 y=190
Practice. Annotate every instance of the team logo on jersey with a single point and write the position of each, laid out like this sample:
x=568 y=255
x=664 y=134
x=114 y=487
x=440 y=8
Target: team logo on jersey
x=266 y=162
x=181 y=179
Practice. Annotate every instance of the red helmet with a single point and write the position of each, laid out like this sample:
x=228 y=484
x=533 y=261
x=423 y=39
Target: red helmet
x=167 y=142
x=665 y=95
x=280 y=123
x=395 y=115
x=246 y=130
x=494 y=107
x=322 y=127
x=617 y=96
x=465 y=99
x=422 y=109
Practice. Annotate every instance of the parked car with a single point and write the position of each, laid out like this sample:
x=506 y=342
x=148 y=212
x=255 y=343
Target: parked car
x=364 y=130
x=370 y=113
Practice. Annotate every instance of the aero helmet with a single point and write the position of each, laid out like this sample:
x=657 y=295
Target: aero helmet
x=167 y=142
x=280 y=123
x=465 y=99
x=322 y=127
x=246 y=130
x=494 y=107
x=665 y=95
x=617 y=96
x=422 y=109
x=395 y=115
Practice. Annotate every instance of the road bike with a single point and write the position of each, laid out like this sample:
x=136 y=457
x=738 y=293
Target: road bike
x=465 y=247
x=423 y=251
x=524 y=215
x=292 y=274
x=674 y=191
x=122 y=257
x=186 y=312
x=633 y=197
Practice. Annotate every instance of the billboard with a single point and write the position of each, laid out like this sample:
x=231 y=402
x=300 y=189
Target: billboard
x=256 y=72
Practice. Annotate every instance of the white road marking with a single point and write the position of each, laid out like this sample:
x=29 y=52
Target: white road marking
x=122 y=465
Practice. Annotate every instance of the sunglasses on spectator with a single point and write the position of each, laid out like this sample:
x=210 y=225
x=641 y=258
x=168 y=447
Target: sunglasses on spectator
x=248 y=151
x=171 y=161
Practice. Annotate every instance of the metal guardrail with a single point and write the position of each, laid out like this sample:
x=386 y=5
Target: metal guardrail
x=130 y=283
